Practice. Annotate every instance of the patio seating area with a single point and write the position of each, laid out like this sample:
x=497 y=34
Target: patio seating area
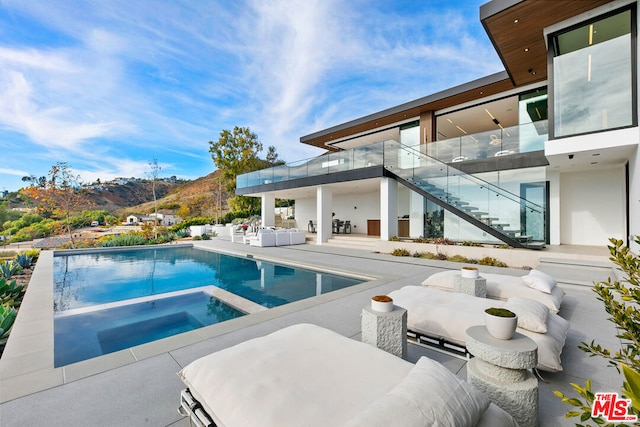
x=140 y=386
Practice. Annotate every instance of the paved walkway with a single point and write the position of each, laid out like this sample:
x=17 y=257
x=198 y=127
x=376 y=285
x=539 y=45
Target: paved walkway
x=145 y=389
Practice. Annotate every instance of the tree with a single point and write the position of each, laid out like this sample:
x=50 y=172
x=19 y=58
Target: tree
x=622 y=303
x=60 y=195
x=235 y=153
x=155 y=171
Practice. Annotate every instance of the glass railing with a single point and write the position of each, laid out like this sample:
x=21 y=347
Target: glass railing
x=493 y=205
x=357 y=158
x=501 y=142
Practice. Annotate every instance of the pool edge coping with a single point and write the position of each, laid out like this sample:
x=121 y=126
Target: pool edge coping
x=20 y=379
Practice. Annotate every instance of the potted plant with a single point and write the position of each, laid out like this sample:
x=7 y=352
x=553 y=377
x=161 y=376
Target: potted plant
x=469 y=272
x=382 y=303
x=500 y=322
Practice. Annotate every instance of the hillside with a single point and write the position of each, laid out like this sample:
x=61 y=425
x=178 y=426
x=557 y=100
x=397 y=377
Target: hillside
x=202 y=196
x=116 y=197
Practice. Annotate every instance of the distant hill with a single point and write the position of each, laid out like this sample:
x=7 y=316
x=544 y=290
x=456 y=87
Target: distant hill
x=202 y=196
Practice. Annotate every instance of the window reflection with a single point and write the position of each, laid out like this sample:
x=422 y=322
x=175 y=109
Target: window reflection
x=592 y=77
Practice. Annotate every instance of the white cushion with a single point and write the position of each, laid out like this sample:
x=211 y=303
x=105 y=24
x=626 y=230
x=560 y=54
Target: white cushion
x=429 y=396
x=532 y=315
x=502 y=286
x=540 y=281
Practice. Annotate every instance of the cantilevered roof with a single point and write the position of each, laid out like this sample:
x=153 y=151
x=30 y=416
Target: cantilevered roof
x=515 y=27
x=480 y=88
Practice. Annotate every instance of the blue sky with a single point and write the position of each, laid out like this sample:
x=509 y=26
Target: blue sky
x=109 y=85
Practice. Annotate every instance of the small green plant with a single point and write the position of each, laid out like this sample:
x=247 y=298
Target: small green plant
x=500 y=312
x=400 y=252
x=7 y=317
x=11 y=293
x=426 y=255
x=206 y=237
x=491 y=261
x=622 y=302
x=458 y=258
x=130 y=239
x=182 y=233
x=9 y=268
x=24 y=260
x=394 y=238
x=420 y=240
x=197 y=238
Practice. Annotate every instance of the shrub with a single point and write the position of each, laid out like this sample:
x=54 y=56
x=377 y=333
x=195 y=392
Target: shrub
x=182 y=233
x=24 y=260
x=400 y=252
x=491 y=262
x=129 y=239
x=622 y=302
x=197 y=238
x=9 y=268
x=420 y=240
x=394 y=238
x=11 y=293
x=427 y=255
x=458 y=258
x=206 y=237
x=7 y=317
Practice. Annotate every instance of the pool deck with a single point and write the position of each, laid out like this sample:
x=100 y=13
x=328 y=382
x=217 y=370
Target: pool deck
x=140 y=386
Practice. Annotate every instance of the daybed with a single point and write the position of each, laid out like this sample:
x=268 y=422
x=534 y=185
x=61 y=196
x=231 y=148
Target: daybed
x=445 y=316
x=311 y=376
x=534 y=285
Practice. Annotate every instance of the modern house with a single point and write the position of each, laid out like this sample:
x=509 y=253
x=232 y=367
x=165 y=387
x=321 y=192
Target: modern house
x=545 y=152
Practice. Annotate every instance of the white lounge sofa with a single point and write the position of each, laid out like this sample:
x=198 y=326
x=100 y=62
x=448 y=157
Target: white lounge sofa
x=444 y=317
x=264 y=237
x=311 y=376
x=534 y=285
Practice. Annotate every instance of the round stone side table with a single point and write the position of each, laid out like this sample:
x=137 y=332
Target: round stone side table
x=500 y=369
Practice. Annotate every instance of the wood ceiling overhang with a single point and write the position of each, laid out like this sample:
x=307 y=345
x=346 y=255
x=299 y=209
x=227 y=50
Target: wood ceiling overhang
x=515 y=28
x=487 y=86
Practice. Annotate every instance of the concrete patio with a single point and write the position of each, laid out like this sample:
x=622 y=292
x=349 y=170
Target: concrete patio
x=139 y=386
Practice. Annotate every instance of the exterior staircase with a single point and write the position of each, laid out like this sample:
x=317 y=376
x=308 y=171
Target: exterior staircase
x=461 y=193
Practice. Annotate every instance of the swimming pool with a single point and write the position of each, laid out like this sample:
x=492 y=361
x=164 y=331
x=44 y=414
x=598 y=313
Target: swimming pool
x=106 y=301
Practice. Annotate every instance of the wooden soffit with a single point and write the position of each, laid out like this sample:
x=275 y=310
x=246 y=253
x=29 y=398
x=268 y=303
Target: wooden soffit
x=468 y=92
x=516 y=27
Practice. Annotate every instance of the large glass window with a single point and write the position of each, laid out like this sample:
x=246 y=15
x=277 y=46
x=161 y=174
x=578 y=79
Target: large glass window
x=593 y=76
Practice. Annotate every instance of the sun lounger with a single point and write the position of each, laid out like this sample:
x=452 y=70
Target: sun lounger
x=534 y=285
x=311 y=376
x=444 y=317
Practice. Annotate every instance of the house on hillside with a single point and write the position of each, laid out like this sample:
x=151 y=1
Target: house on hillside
x=545 y=152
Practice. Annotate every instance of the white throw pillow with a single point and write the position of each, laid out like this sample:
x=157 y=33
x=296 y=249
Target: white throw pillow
x=540 y=281
x=532 y=315
x=429 y=396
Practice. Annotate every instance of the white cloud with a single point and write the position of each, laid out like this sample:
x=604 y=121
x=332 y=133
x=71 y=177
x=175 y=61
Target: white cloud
x=14 y=172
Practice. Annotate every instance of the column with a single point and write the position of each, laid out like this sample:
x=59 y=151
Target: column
x=268 y=210
x=324 y=203
x=388 y=208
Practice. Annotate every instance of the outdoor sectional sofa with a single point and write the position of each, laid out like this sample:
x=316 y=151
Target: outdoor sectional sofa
x=268 y=237
x=440 y=317
x=311 y=376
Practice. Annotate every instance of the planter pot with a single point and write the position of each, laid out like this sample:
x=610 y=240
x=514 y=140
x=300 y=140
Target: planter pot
x=382 y=303
x=499 y=327
x=469 y=272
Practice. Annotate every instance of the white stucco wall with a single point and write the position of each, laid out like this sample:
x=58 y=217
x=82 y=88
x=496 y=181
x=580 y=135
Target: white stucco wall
x=592 y=206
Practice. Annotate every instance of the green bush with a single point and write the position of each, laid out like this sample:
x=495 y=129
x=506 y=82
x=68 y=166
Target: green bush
x=7 y=317
x=459 y=258
x=129 y=239
x=9 y=268
x=24 y=260
x=400 y=252
x=622 y=302
x=491 y=261
x=426 y=255
x=11 y=294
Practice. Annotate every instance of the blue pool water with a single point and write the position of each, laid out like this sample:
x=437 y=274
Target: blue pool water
x=112 y=300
